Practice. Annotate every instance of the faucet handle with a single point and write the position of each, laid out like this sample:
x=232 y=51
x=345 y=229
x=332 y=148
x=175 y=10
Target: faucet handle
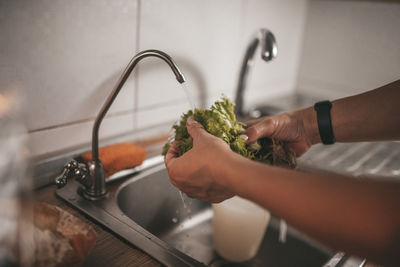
x=72 y=169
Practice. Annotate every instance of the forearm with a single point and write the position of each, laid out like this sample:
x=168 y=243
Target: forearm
x=360 y=217
x=369 y=116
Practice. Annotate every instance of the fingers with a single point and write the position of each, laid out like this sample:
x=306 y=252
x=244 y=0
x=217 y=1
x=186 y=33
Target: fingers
x=172 y=154
x=252 y=122
x=194 y=128
x=211 y=196
x=299 y=148
x=259 y=129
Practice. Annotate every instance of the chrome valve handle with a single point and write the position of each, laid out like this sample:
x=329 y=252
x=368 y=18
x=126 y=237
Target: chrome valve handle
x=73 y=169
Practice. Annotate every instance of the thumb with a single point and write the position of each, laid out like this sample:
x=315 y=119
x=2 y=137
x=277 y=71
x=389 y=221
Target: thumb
x=194 y=128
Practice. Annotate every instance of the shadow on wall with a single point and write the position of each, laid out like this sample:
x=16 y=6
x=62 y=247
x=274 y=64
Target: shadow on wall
x=100 y=94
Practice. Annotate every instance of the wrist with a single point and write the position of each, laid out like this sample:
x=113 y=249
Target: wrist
x=228 y=169
x=308 y=117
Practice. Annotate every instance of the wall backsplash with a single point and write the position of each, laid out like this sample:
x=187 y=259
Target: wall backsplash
x=349 y=47
x=67 y=55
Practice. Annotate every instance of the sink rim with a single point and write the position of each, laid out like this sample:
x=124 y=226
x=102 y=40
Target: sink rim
x=108 y=213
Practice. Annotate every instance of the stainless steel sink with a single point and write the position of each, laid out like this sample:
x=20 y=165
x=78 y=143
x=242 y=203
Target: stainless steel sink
x=150 y=213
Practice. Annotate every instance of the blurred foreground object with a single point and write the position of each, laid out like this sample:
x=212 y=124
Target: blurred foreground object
x=15 y=231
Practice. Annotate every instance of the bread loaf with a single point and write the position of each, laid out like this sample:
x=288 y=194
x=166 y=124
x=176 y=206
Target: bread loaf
x=60 y=239
x=118 y=157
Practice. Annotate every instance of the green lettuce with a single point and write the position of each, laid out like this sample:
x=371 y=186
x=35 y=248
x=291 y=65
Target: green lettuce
x=220 y=121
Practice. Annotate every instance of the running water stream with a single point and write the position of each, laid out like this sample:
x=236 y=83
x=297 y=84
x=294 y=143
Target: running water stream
x=188 y=95
x=192 y=107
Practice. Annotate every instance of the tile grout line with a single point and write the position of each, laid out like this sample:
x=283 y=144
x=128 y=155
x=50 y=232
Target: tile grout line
x=136 y=74
x=112 y=115
x=301 y=47
x=90 y=119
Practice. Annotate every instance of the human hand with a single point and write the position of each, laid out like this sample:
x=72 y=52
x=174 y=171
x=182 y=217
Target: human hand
x=199 y=172
x=293 y=128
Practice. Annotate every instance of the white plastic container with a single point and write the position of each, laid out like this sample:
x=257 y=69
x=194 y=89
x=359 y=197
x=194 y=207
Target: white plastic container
x=238 y=228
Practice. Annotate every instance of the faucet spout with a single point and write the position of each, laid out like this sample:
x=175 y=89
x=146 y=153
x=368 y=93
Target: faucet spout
x=269 y=51
x=96 y=169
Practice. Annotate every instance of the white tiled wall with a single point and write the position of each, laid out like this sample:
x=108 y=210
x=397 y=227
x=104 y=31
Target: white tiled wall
x=350 y=47
x=69 y=54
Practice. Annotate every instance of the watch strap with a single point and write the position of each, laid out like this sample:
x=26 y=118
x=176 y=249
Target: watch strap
x=323 y=110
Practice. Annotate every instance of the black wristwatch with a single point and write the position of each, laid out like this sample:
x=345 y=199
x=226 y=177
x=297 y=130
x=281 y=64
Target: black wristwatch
x=323 y=110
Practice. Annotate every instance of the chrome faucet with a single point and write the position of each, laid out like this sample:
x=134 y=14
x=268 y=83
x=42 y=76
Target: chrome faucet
x=269 y=51
x=92 y=176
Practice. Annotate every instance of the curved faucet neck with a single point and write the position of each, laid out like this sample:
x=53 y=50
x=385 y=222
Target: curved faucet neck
x=266 y=40
x=128 y=70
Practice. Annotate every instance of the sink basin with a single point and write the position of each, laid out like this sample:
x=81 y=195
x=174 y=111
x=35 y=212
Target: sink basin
x=186 y=224
x=147 y=211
